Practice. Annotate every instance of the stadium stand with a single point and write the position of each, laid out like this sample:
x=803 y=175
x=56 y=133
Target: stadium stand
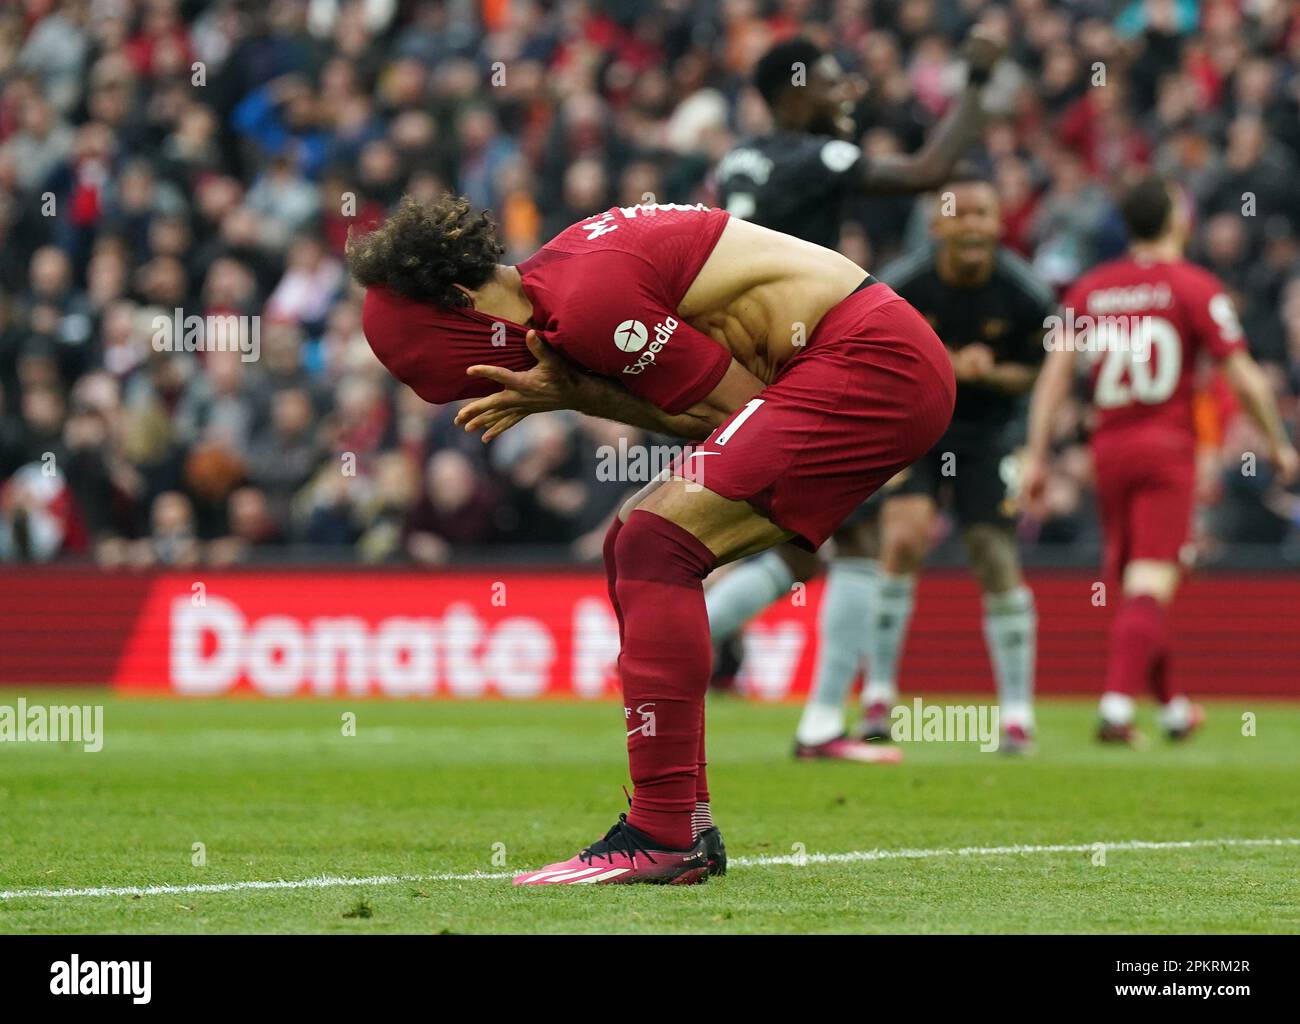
x=162 y=155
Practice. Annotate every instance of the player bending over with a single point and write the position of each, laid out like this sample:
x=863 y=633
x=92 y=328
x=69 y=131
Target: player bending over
x=1154 y=314
x=812 y=382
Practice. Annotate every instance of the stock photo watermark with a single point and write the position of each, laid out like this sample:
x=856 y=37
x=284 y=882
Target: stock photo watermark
x=642 y=463
x=947 y=723
x=53 y=723
x=215 y=332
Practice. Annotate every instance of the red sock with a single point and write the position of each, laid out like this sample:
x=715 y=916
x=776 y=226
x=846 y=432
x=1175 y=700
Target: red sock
x=611 y=571
x=611 y=577
x=1139 y=641
x=701 y=777
x=1160 y=678
x=664 y=666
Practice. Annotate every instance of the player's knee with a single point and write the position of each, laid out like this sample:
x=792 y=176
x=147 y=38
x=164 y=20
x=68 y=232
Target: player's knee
x=861 y=540
x=904 y=550
x=649 y=547
x=991 y=551
x=905 y=533
x=1150 y=578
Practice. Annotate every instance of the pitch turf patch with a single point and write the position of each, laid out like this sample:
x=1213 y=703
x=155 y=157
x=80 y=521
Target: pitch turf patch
x=423 y=815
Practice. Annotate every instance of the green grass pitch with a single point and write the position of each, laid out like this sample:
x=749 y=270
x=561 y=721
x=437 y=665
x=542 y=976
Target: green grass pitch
x=276 y=791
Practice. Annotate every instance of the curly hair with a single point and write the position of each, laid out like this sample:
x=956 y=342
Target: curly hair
x=424 y=249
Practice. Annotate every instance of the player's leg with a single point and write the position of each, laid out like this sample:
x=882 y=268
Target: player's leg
x=670 y=541
x=1156 y=516
x=744 y=592
x=1010 y=626
x=702 y=816
x=663 y=545
x=1139 y=643
x=843 y=632
x=1130 y=639
x=984 y=509
x=753 y=585
x=906 y=521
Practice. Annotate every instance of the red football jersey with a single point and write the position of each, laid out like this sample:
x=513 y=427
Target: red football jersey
x=604 y=292
x=1150 y=322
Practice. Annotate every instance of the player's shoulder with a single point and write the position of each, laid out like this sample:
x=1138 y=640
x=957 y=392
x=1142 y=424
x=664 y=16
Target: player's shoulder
x=578 y=235
x=1022 y=278
x=625 y=229
x=596 y=247
x=909 y=268
x=807 y=151
x=752 y=158
x=1193 y=281
x=1104 y=275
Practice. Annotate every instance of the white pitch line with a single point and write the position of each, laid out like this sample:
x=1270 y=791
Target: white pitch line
x=794 y=859
x=319 y=882
x=998 y=851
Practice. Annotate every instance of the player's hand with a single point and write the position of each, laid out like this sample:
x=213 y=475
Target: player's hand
x=1033 y=487
x=1286 y=464
x=551 y=384
x=982 y=50
x=972 y=362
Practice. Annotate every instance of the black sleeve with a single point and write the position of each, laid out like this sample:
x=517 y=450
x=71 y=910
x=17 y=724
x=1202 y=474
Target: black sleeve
x=830 y=165
x=1037 y=302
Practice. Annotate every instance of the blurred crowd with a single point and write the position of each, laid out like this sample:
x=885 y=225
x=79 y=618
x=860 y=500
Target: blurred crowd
x=211 y=157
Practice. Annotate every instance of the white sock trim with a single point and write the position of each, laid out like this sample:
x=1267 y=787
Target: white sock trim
x=1117 y=708
x=819 y=723
x=701 y=820
x=1176 y=714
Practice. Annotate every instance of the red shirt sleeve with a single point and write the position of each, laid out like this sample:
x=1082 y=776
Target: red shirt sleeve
x=1214 y=317
x=611 y=316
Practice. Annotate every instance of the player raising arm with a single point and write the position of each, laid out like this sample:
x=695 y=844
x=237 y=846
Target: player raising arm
x=1142 y=322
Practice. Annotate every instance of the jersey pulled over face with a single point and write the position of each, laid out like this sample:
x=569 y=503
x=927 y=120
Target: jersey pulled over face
x=1141 y=328
x=429 y=348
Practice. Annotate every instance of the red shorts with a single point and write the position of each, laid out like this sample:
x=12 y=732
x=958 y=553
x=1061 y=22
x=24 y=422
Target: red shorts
x=871 y=393
x=1145 y=492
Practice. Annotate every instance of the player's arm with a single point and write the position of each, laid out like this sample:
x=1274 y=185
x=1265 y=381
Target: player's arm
x=556 y=383
x=1011 y=378
x=1050 y=390
x=1216 y=322
x=952 y=136
x=1008 y=378
x=1251 y=386
x=600 y=396
x=1015 y=374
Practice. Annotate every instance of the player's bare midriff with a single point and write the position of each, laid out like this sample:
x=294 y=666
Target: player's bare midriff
x=761 y=294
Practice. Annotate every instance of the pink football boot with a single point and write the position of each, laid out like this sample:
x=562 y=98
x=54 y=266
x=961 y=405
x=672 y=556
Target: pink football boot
x=626 y=855
x=845 y=748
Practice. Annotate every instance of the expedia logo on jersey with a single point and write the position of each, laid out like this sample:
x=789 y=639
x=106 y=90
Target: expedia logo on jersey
x=631 y=335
